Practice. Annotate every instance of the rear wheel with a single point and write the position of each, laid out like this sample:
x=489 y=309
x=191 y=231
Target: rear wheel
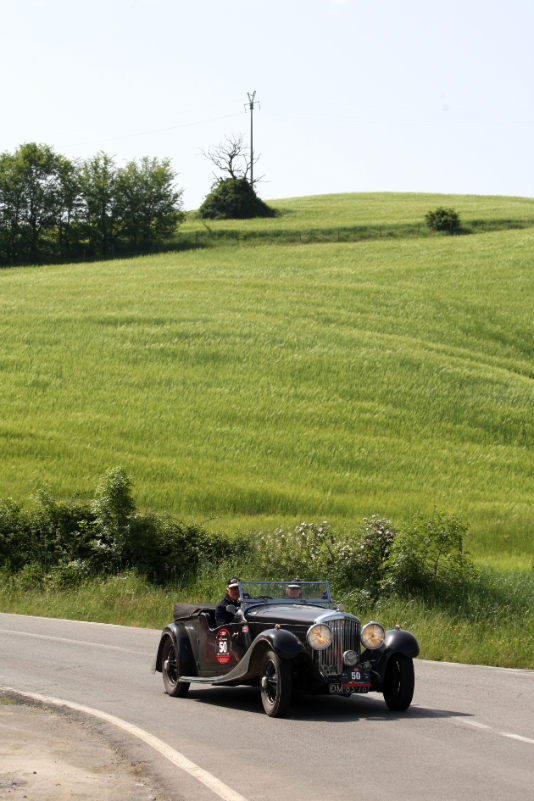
x=275 y=684
x=170 y=670
x=399 y=682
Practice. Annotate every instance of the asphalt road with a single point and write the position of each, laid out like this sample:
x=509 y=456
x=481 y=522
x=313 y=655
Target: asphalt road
x=468 y=735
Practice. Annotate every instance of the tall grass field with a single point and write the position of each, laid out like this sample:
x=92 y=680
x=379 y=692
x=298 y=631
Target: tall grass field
x=285 y=373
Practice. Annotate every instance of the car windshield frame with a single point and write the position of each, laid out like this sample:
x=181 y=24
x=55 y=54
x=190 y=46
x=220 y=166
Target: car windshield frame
x=260 y=592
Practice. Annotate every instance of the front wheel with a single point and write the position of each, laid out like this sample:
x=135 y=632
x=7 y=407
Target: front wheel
x=275 y=684
x=170 y=670
x=399 y=682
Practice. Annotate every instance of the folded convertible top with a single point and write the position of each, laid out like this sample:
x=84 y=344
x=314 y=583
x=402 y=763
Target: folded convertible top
x=182 y=611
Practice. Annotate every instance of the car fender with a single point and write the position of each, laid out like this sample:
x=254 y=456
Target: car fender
x=181 y=640
x=286 y=644
x=400 y=641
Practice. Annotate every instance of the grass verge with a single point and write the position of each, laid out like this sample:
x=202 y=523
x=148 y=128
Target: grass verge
x=495 y=626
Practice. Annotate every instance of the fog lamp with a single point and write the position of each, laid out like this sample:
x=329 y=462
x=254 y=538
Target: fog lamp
x=350 y=658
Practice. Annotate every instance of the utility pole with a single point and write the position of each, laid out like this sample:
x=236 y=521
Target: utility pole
x=251 y=103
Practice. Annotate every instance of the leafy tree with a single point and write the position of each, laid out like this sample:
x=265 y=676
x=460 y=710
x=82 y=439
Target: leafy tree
x=29 y=193
x=68 y=208
x=443 y=220
x=234 y=198
x=97 y=189
x=52 y=208
x=148 y=205
x=11 y=208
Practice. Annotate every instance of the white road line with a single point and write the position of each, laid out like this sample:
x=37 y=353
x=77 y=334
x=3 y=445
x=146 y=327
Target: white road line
x=203 y=776
x=462 y=721
x=70 y=641
x=517 y=737
x=475 y=724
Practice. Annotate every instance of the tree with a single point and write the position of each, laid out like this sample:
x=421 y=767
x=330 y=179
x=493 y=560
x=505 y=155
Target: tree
x=234 y=198
x=29 y=193
x=97 y=189
x=11 y=208
x=68 y=207
x=148 y=205
x=231 y=159
x=53 y=208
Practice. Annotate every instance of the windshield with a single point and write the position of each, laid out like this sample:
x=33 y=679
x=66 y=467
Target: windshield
x=316 y=592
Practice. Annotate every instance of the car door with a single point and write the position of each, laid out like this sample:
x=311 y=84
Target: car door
x=221 y=648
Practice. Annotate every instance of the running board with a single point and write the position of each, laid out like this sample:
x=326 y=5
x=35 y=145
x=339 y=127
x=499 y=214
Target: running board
x=208 y=679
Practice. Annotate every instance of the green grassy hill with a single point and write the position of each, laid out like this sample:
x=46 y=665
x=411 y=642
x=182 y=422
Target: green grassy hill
x=267 y=383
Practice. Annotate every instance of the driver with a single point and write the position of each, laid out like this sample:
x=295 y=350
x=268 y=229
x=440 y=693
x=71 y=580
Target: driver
x=231 y=598
x=294 y=589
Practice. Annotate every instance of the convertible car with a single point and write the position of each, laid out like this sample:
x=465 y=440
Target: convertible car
x=285 y=640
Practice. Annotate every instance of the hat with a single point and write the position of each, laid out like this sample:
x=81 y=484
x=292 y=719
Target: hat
x=294 y=585
x=233 y=582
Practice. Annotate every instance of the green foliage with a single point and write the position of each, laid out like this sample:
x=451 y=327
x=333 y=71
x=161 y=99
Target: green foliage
x=234 y=198
x=428 y=557
x=310 y=550
x=146 y=203
x=59 y=544
x=52 y=208
x=442 y=219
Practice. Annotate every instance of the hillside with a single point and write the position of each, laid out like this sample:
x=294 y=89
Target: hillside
x=267 y=383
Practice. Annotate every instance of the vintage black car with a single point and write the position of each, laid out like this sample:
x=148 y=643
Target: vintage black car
x=284 y=640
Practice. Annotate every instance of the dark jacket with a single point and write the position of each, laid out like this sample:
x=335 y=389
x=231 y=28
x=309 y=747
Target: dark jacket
x=221 y=615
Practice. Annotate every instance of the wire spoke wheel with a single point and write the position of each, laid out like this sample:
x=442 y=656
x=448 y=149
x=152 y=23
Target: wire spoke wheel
x=170 y=670
x=275 y=684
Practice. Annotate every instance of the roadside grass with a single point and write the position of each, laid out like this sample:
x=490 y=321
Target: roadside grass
x=494 y=634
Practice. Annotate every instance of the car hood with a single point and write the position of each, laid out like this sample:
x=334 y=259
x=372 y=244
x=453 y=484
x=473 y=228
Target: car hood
x=286 y=613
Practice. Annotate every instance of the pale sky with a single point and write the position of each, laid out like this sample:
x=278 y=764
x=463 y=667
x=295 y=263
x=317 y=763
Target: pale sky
x=383 y=95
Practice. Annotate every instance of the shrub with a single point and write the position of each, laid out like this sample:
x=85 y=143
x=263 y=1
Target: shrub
x=314 y=551
x=113 y=508
x=443 y=220
x=234 y=198
x=428 y=557
x=309 y=551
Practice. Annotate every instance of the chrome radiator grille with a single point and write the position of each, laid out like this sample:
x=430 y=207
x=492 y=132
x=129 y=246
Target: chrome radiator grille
x=346 y=635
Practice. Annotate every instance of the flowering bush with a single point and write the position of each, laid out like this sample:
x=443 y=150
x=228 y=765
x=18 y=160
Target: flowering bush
x=314 y=550
x=309 y=550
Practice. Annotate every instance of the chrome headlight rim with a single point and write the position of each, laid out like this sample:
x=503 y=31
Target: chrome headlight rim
x=319 y=636
x=351 y=658
x=373 y=635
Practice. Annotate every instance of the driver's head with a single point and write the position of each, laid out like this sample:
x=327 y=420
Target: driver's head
x=294 y=589
x=232 y=589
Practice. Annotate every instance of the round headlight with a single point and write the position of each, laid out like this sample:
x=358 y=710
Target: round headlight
x=372 y=635
x=319 y=636
x=350 y=658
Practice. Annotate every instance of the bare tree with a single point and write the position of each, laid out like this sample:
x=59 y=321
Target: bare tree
x=232 y=158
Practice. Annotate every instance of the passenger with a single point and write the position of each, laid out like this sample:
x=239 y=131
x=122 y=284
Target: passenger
x=222 y=616
x=294 y=589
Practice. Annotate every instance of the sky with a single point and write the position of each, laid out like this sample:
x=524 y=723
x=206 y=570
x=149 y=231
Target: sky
x=353 y=96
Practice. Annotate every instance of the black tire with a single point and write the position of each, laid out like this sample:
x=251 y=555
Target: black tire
x=399 y=683
x=275 y=684
x=170 y=670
